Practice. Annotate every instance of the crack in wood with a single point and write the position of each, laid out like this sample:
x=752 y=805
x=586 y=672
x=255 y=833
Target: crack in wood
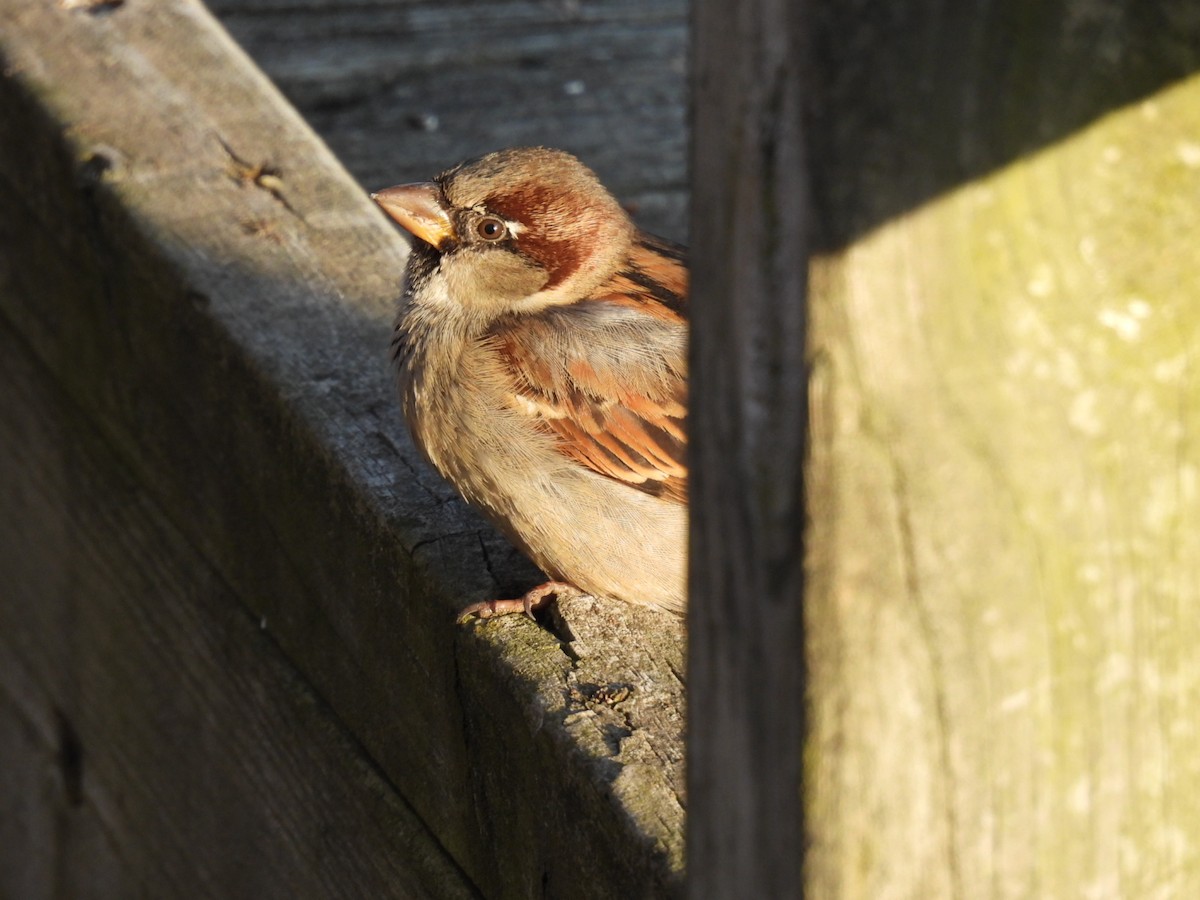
x=262 y=175
x=908 y=560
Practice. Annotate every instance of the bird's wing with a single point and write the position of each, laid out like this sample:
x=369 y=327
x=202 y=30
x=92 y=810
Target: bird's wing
x=607 y=376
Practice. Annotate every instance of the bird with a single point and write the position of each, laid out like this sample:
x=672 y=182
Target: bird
x=540 y=351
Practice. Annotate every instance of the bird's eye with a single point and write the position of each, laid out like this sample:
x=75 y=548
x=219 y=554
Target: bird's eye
x=491 y=228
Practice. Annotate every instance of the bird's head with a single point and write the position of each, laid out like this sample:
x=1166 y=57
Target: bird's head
x=517 y=230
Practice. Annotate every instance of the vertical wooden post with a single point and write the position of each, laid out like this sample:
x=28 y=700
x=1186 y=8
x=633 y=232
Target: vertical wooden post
x=748 y=425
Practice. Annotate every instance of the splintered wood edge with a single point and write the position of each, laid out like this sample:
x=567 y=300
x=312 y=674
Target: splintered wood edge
x=227 y=294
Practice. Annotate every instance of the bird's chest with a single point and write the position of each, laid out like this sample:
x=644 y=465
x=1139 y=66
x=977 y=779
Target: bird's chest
x=459 y=408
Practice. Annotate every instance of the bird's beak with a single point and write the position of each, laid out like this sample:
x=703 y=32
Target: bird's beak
x=418 y=208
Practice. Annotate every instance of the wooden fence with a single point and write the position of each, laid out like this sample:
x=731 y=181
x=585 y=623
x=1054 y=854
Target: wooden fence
x=228 y=662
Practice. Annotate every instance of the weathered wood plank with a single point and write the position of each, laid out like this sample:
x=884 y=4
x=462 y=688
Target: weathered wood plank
x=228 y=338
x=1004 y=549
x=1003 y=507
x=155 y=741
x=748 y=423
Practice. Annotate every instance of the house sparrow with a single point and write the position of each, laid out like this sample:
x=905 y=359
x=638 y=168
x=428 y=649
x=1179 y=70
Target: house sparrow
x=541 y=350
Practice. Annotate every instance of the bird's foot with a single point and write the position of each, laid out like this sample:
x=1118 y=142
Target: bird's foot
x=537 y=598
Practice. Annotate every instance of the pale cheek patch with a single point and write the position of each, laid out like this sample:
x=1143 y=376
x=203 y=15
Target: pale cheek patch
x=491 y=278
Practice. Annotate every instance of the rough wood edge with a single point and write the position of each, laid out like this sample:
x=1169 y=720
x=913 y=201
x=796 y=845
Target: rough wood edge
x=746 y=662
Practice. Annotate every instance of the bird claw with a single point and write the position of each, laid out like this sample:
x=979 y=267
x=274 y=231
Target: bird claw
x=534 y=599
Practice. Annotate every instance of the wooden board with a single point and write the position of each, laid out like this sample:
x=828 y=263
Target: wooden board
x=155 y=740
x=1002 y=520
x=1003 y=485
x=746 y=649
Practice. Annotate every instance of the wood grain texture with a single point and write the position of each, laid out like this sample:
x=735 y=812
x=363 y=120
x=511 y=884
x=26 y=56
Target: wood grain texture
x=748 y=425
x=1002 y=486
x=155 y=740
x=1003 y=489
x=206 y=284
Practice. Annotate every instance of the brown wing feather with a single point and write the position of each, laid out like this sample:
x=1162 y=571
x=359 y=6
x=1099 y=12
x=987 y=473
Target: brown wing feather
x=608 y=376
